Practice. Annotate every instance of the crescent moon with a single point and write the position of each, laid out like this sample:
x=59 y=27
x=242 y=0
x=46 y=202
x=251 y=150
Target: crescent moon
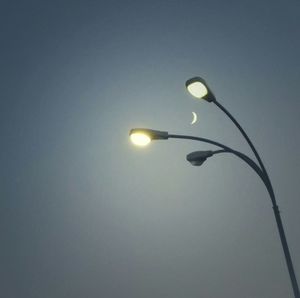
x=194 y=118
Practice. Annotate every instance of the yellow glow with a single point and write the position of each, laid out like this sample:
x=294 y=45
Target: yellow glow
x=197 y=89
x=140 y=139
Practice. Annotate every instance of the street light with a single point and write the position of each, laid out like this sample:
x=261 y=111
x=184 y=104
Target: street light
x=198 y=88
x=197 y=158
x=143 y=136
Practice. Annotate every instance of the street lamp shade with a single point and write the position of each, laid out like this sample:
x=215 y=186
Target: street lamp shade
x=198 y=88
x=143 y=136
x=197 y=158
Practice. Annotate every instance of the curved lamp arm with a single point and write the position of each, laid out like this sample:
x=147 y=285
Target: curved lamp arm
x=249 y=161
x=227 y=149
x=221 y=107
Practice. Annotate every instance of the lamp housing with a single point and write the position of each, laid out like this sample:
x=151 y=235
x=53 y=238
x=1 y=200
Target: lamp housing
x=197 y=158
x=198 y=88
x=143 y=136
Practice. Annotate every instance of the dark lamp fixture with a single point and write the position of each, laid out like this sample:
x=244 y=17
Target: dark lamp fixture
x=197 y=158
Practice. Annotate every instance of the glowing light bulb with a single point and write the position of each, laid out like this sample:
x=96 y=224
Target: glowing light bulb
x=140 y=139
x=197 y=89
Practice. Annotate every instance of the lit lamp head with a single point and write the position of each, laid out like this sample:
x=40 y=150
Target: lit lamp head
x=143 y=136
x=198 y=88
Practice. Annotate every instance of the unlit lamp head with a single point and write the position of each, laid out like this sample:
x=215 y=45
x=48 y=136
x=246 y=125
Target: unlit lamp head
x=197 y=158
x=143 y=136
x=198 y=88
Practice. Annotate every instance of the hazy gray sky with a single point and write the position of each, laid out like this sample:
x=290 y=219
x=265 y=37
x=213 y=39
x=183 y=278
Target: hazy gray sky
x=84 y=213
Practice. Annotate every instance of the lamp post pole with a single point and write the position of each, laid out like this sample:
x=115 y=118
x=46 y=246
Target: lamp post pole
x=198 y=88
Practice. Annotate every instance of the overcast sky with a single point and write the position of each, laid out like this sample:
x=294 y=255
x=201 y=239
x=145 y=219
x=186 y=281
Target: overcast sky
x=84 y=213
